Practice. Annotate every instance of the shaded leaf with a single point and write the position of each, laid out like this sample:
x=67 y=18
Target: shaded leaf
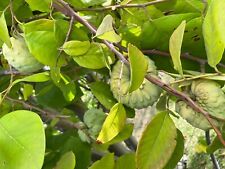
x=22 y=147
x=157 y=143
x=67 y=161
x=106 y=31
x=103 y=93
x=175 y=46
x=4 y=34
x=27 y=91
x=113 y=123
x=213 y=32
x=138 y=67
x=126 y=161
x=106 y=162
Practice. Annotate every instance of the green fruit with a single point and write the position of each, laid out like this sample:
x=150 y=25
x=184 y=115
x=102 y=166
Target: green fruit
x=210 y=97
x=145 y=96
x=19 y=56
x=194 y=118
x=94 y=119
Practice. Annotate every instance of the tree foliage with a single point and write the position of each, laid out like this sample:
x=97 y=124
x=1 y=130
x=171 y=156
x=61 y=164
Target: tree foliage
x=84 y=67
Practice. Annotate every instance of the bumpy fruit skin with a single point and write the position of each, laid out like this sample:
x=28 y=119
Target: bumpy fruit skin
x=210 y=97
x=19 y=56
x=194 y=118
x=94 y=119
x=145 y=96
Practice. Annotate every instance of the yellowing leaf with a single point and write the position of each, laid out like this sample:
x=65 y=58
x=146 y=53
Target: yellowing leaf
x=113 y=123
x=213 y=31
x=157 y=143
x=4 y=34
x=106 y=31
x=138 y=67
x=175 y=46
x=75 y=48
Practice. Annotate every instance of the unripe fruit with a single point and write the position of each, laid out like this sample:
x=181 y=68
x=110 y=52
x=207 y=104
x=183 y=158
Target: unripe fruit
x=196 y=119
x=210 y=97
x=19 y=56
x=145 y=96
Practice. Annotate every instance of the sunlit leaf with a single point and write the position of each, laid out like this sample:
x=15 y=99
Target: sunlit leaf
x=113 y=123
x=124 y=134
x=4 y=34
x=67 y=161
x=157 y=143
x=106 y=162
x=178 y=152
x=39 y=77
x=22 y=140
x=138 y=67
x=95 y=57
x=213 y=32
x=175 y=46
x=106 y=31
x=75 y=48
x=41 y=5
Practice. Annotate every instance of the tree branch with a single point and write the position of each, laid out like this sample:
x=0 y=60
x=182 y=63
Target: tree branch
x=47 y=115
x=71 y=13
x=114 y=7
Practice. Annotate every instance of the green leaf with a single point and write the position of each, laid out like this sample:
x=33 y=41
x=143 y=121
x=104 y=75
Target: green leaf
x=43 y=46
x=126 y=161
x=138 y=67
x=96 y=57
x=124 y=134
x=76 y=48
x=157 y=143
x=38 y=25
x=105 y=30
x=106 y=162
x=175 y=44
x=113 y=123
x=67 y=161
x=41 y=5
x=103 y=93
x=4 y=34
x=178 y=152
x=22 y=140
x=27 y=91
x=213 y=32
x=216 y=143
x=39 y=77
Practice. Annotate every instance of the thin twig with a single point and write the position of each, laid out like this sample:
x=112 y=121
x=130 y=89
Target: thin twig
x=167 y=54
x=212 y=156
x=47 y=115
x=67 y=10
x=67 y=38
x=114 y=7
